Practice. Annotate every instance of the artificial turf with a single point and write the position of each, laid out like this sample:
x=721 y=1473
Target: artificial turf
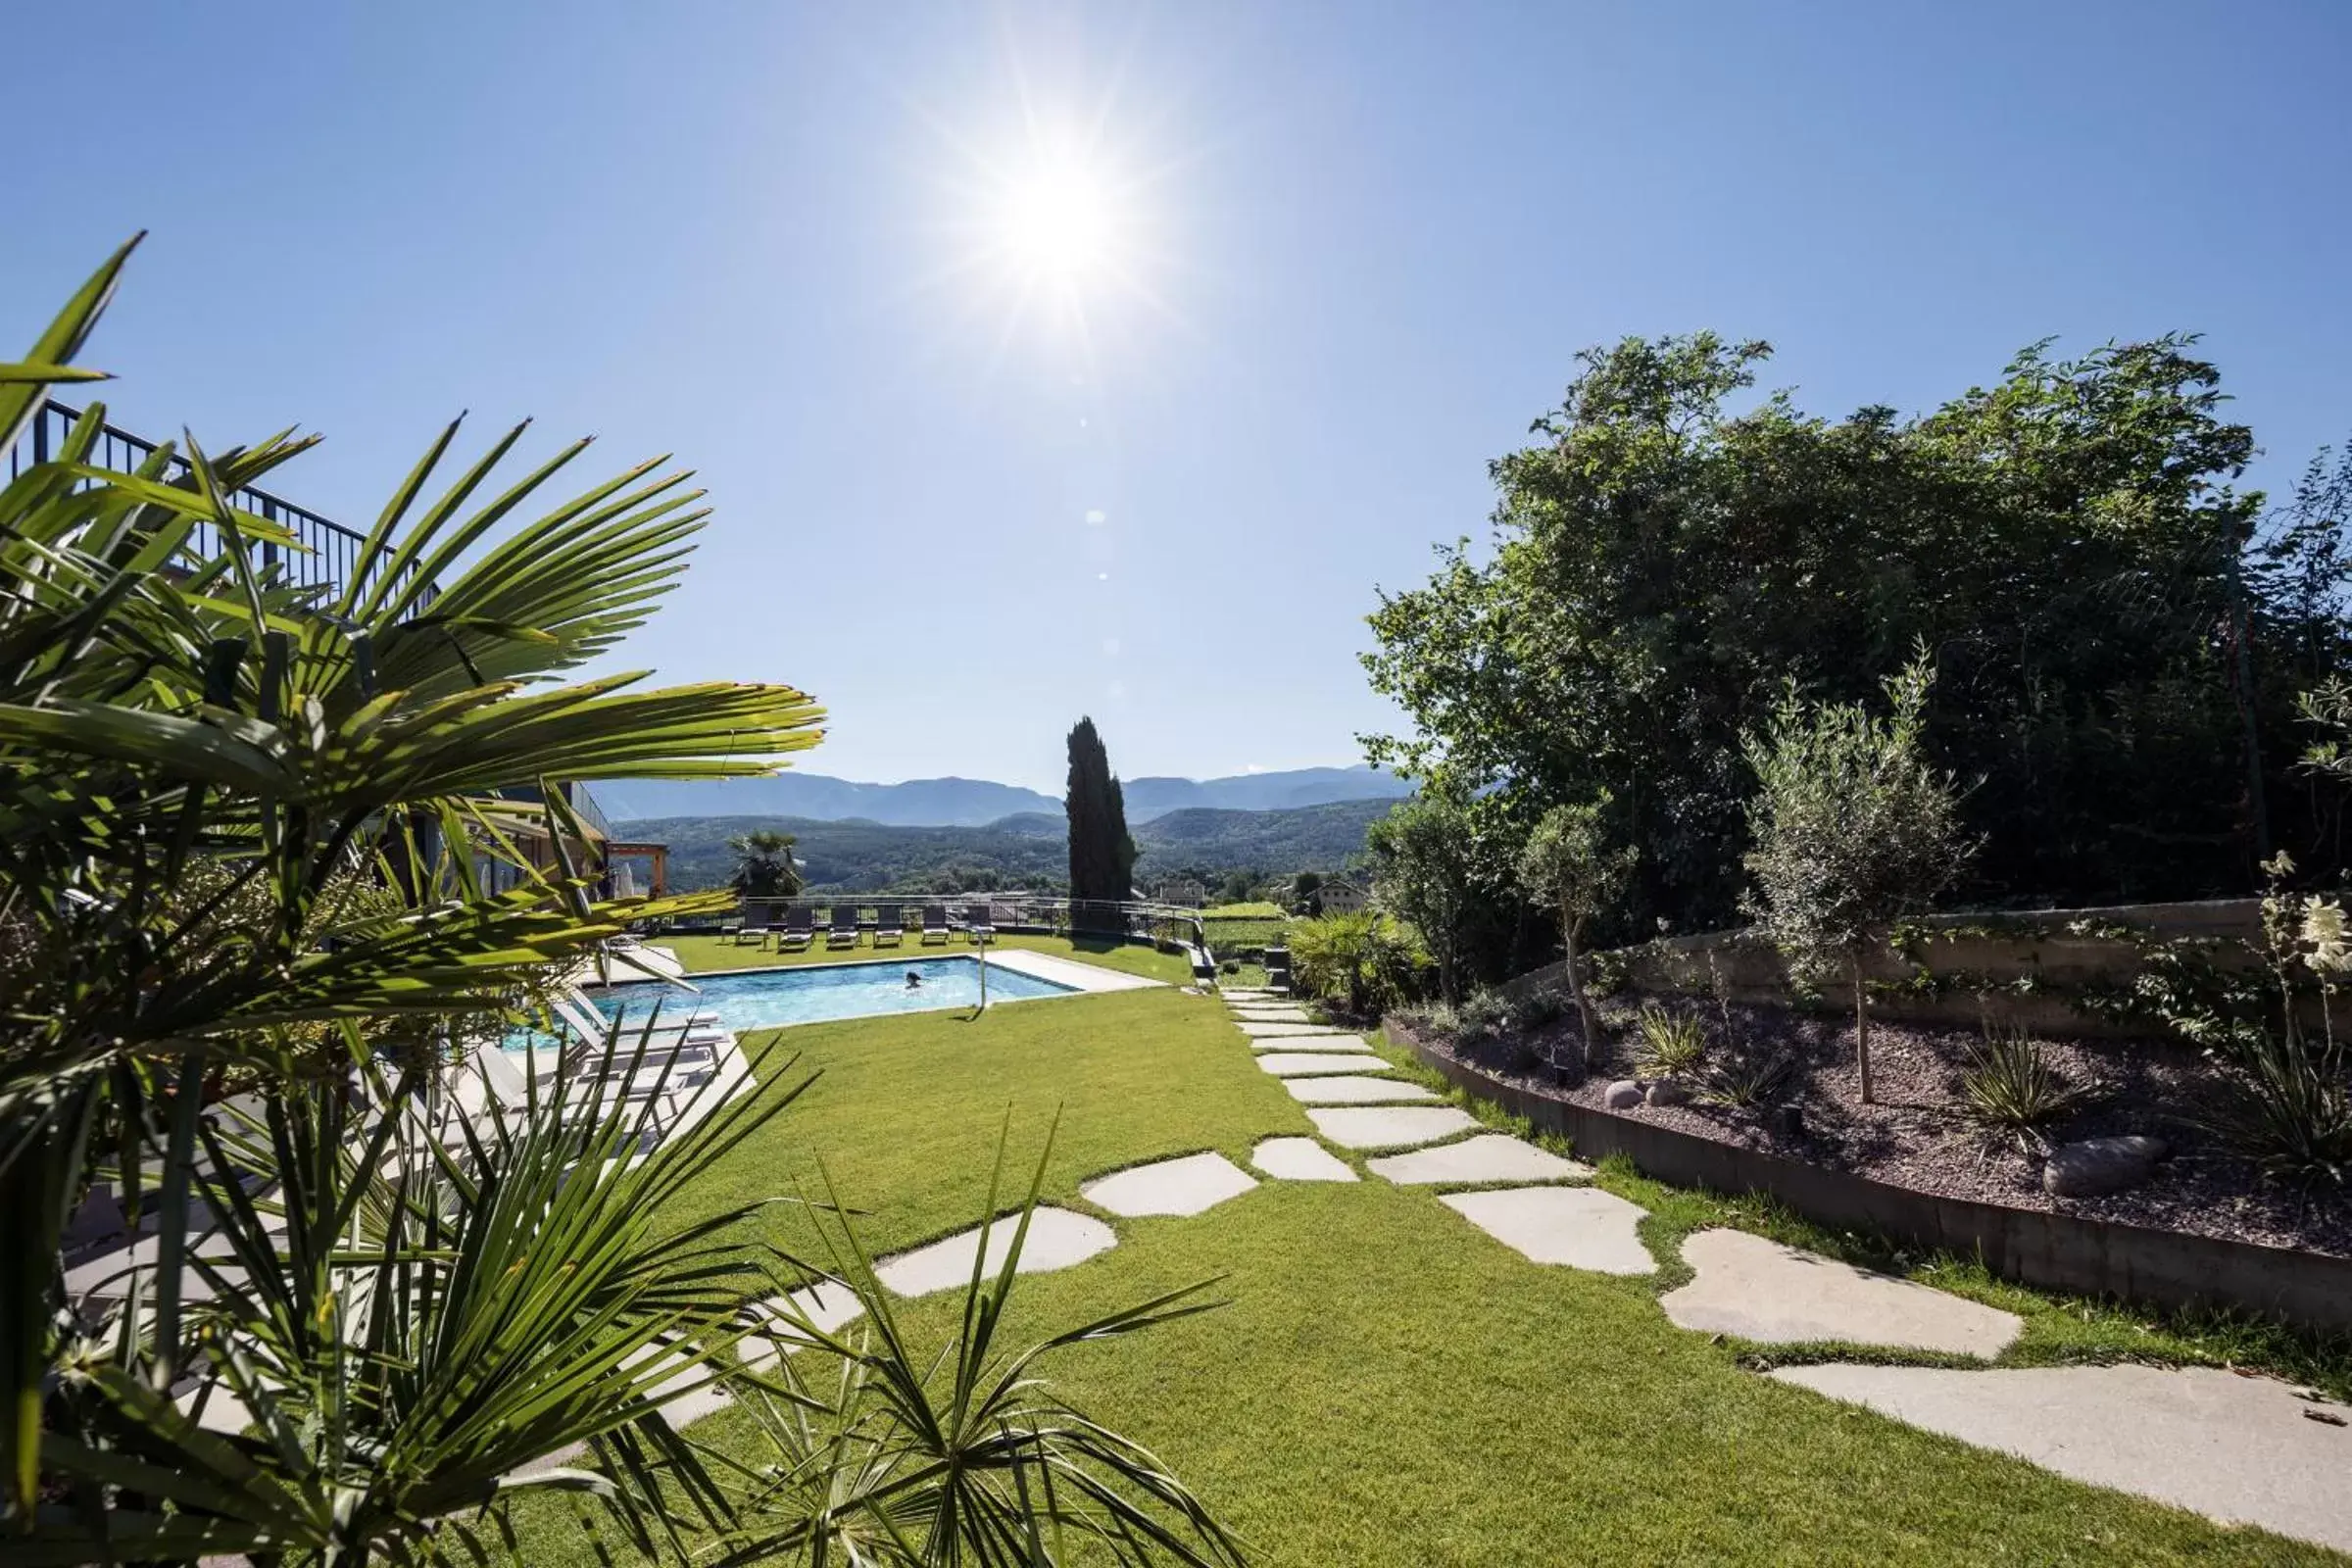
x=1388 y=1385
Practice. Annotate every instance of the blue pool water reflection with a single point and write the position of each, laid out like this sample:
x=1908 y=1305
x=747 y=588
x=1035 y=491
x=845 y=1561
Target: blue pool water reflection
x=811 y=994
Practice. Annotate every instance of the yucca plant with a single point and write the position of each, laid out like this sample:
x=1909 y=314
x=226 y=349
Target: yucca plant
x=2009 y=1084
x=890 y=1452
x=1673 y=1044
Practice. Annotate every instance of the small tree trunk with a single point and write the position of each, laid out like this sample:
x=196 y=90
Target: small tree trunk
x=1862 y=1029
x=1576 y=990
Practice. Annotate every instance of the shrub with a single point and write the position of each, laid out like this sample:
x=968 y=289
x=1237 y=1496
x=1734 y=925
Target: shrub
x=2010 y=1084
x=1673 y=1044
x=1537 y=1008
x=1853 y=829
x=1746 y=1075
x=1369 y=958
x=2289 y=1110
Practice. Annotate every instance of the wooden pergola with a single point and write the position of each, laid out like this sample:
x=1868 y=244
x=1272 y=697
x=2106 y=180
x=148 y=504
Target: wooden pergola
x=657 y=854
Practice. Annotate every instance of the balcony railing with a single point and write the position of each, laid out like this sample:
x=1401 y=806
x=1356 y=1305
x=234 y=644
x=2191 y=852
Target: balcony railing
x=323 y=555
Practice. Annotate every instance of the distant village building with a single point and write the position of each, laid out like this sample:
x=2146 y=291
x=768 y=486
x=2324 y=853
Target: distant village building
x=1183 y=890
x=1339 y=896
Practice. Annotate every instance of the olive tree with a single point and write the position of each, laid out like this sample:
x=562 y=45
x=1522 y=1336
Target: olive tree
x=1854 y=828
x=1567 y=864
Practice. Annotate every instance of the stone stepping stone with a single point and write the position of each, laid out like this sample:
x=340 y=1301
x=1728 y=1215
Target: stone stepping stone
x=2235 y=1449
x=1759 y=1290
x=1354 y=1091
x=1190 y=1185
x=1267 y=1028
x=1249 y=995
x=1057 y=1239
x=826 y=1305
x=1390 y=1126
x=1578 y=1227
x=1335 y=1039
x=1300 y=1160
x=1491 y=1158
x=1308 y=1063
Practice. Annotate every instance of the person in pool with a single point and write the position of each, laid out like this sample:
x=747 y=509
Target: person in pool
x=915 y=982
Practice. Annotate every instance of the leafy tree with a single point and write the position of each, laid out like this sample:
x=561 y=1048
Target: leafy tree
x=764 y=867
x=1568 y=864
x=1427 y=870
x=2113 y=623
x=1101 y=855
x=1306 y=893
x=1854 y=829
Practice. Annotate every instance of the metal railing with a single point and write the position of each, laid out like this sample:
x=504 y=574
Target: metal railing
x=1038 y=913
x=325 y=554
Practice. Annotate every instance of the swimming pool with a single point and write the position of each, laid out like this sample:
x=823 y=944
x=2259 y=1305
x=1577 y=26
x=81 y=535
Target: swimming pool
x=763 y=999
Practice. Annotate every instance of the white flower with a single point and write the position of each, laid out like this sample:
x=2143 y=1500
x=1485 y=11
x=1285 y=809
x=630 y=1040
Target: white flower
x=2327 y=935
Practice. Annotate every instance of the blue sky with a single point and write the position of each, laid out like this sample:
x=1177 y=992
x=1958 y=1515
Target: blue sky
x=1343 y=256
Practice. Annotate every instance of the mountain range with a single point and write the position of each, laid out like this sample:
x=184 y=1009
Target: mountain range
x=977 y=803
x=1029 y=849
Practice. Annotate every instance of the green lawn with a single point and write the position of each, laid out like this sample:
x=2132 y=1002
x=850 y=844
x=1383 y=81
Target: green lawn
x=1258 y=910
x=1388 y=1385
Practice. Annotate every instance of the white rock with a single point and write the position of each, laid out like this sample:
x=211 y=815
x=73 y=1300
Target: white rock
x=1354 y=1091
x=1390 y=1127
x=1056 y=1240
x=1759 y=1290
x=1326 y=1064
x=1300 y=1160
x=1579 y=1227
x=1491 y=1158
x=1190 y=1185
x=2236 y=1449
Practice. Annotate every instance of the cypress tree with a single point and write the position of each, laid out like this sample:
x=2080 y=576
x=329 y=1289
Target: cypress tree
x=1101 y=855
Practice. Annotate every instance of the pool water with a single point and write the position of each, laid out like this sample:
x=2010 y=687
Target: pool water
x=812 y=994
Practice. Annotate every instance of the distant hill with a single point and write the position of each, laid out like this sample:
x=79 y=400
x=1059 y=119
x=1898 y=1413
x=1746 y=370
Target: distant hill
x=975 y=802
x=1024 y=850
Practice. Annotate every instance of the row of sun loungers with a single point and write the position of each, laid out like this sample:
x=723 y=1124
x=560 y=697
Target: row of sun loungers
x=796 y=930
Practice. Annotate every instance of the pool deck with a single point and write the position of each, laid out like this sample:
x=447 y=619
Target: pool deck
x=1064 y=972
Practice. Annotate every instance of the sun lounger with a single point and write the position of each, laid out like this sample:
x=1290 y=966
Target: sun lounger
x=978 y=924
x=843 y=932
x=935 y=923
x=798 y=930
x=890 y=925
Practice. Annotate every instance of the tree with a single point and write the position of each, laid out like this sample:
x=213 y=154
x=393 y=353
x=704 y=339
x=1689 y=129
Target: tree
x=1306 y=893
x=2066 y=538
x=1101 y=855
x=764 y=867
x=1567 y=864
x=1854 y=829
x=1426 y=869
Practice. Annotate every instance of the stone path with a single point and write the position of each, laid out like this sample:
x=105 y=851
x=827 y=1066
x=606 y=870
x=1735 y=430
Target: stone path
x=2235 y=1449
x=1492 y=1157
x=1300 y=1160
x=1354 y=1091
x=1333 y=1041
x=1192 y=1185
x=1268 y=1028
x=1057 y=1239
x=1759 y=1290
x=1308 y=1063
x=1579 y=1227
x=1382 y=1127
x=826 y=1305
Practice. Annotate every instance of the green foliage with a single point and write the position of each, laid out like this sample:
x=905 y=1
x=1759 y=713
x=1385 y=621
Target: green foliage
x=1367 y=958
x=1568 y=865
x=2010 y=1084
x=1674 y=1045
x=764 y=865
x=1425 y=867
x=1853 y=829
x=2066 y=539
x=1745 y=1074
x=2290 y=1110
x=1101 y=855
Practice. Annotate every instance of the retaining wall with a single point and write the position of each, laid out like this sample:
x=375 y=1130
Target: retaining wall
x=2054 y=1251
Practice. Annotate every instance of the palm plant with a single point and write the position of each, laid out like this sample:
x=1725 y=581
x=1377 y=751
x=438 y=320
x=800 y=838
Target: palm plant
x=239 y=821
x=763 y=864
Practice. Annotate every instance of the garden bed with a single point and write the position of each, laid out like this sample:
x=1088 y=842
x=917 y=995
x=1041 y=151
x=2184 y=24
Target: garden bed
x=1917 y=1137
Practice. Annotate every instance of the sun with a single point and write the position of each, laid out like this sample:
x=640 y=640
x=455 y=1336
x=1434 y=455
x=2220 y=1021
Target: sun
x=1058 y=220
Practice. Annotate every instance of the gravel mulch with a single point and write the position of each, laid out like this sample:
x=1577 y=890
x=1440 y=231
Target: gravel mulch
x=1916 y=1136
